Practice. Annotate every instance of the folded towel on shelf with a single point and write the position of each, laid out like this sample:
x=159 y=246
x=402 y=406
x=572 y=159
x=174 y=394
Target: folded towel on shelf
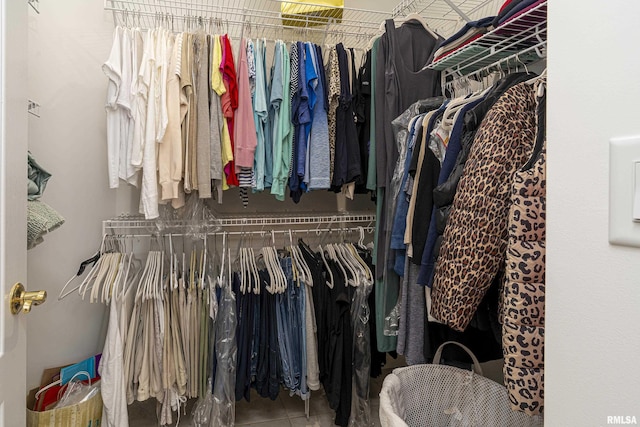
x=41 y=219
x=469 y=32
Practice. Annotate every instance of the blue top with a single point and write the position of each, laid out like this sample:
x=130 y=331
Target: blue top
x=311 y=82
x=484 y=22
x=304 y=115
x=260 y=115
x=402 y=205
x=318 y=152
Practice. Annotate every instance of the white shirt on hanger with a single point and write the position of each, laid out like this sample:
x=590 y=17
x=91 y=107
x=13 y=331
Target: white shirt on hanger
x=113 y=69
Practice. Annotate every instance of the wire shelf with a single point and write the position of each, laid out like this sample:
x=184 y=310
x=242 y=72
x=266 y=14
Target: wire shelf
x=270 y=19
x=517 y=42
x=446 y=16
x=138 y=226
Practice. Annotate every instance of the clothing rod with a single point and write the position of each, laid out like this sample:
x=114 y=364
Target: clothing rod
x=128 y=223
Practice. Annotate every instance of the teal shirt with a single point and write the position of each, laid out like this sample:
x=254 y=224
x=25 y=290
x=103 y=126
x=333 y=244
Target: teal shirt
x=261 y=116
x=282 y=133
x=371 y=171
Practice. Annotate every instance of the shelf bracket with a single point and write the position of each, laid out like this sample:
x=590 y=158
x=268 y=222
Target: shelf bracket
x=453 y=6
x=35 y=4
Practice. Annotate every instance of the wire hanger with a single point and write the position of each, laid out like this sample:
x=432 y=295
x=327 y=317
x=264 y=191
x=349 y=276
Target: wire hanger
x=83 y=265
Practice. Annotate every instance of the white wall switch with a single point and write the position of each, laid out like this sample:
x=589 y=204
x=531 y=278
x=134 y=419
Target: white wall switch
x=624 y=191
x=636 y=192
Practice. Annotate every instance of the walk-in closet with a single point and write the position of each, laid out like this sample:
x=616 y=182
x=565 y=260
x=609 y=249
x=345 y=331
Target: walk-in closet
x=316 y=213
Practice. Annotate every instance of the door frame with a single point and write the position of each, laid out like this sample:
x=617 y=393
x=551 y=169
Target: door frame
x=13 y=206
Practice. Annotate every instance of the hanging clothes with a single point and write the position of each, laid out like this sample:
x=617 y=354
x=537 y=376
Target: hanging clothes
x=229 y=104
x=245 y=129
x=449 y=178
x=170 y=160
x=299 y=106
x=188 y=98
x=347 y=153
x=523 y=297
x=319 y=151
x=282 y=129
x=217 y=124
x=454 y=287
x=400 y=81
x=203 y=130
x=261 y=172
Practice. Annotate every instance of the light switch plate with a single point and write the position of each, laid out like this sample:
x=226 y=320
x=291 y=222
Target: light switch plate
x=624 y=188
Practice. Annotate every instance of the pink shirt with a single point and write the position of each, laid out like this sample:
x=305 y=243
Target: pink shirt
x=245 y=128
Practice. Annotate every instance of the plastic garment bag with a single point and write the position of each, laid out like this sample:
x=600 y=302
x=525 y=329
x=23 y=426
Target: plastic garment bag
x=401 y=132
x=226 y=351
x=360 y=314
x=202 y=410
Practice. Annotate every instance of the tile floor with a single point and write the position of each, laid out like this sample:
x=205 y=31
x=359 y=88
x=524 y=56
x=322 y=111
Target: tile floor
x=285 y=411
x=288 y=411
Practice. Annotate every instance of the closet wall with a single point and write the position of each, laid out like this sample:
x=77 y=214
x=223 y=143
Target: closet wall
x=593 y=288
x=68 y=43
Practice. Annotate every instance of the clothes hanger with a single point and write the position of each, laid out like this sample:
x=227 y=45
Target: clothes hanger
x=112 y=285
x=114 y=274
x=367 y=271
x=416 y=17
x=133 y=276
x=161 y=284
x=282 y=278
x=103 y=267
x=305 y=266
x=334 y=256
x=326 y=266
x=143 y=278
x=256 y=274
x=358 y=266
x=146 y=285
x=351 y=276
x=297 y=256
x=83 y=265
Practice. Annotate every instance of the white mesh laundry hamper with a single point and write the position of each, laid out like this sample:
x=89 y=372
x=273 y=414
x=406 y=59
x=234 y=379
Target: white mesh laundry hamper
x=439 y=395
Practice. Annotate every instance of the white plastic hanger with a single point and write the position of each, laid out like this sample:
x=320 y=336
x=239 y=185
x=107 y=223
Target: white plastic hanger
x=105 y=262
x=140 y=288
x=332 y=253
x=367 y=271
x=415 y=17
x=112 y=286
x=326 y=265
x=268 y=265
x=305 y=267
x=343 y=259
x=357 y=266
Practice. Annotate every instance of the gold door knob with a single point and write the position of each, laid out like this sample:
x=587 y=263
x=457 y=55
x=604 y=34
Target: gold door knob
x=23 y=300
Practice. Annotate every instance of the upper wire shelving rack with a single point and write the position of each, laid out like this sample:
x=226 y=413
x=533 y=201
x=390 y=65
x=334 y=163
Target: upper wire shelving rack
x=254 y=18
x=446 y=16
x=516 y=43
x=135 y=225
